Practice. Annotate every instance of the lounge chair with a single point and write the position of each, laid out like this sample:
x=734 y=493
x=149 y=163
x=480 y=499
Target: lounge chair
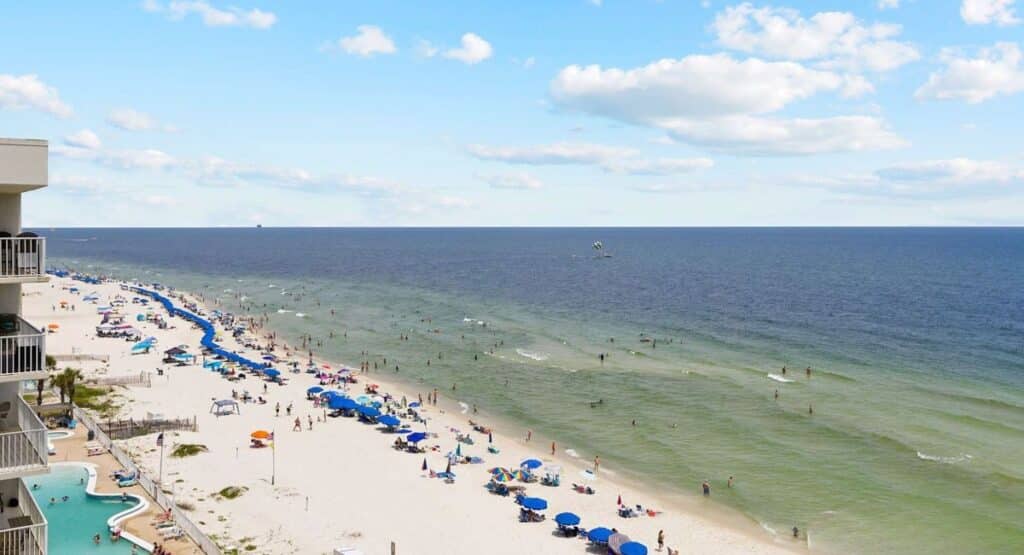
x=172 y=533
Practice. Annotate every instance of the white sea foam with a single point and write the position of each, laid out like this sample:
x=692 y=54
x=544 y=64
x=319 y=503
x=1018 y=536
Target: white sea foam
x=300 y=314
x=228 y=290
x=572 y=453
x=464 y=406
x=532 y=355
x=779 y=378
x=962 y=457
x=271 y=286
x=283 y=311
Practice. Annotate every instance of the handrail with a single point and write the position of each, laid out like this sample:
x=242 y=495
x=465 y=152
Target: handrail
x=23 y=352
x=22 y=256
x=29 y=539
x=26 y=446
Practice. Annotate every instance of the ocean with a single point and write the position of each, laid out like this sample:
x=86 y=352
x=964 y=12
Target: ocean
x=914 y=337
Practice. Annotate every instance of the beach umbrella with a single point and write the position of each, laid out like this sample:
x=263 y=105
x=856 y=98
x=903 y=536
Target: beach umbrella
x=414 y=404
x=501 y=475
x=458 y=450
x=340 y=403
x=363 y=400
x=616 y=540
x=619 y=502
x=448 y=469
x=314 y=390
x=424 y=467
x=272 y=373
x=389 y=420
x=490 y=437
x=368 y=412
x=416 y=437
x=567 y=519
x=534 y=503
x=599 y=534
x=260 y=434
x=632 y=548
x=531 y=464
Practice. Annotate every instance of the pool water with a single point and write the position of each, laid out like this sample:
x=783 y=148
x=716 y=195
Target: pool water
x=73 y=523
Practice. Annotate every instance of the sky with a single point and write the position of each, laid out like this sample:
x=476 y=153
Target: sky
x=527 y=113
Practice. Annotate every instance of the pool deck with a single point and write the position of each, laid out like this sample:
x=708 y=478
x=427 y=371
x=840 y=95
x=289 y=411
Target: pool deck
x=72 y=449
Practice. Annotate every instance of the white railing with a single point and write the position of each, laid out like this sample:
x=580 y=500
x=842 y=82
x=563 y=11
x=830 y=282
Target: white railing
x=22 y=257
x=22 y=347
x=28 y=539
x=24 y=448
x=205 y=543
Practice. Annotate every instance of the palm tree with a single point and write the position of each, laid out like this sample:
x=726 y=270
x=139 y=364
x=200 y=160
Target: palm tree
x=51 y=365
x=59 y=381
x=72 y=375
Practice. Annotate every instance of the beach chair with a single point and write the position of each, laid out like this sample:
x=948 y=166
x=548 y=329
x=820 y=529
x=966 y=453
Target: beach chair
x=171 y=533
x=93 y=449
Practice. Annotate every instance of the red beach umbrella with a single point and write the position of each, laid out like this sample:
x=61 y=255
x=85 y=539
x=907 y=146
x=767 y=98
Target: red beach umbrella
x=619 y=502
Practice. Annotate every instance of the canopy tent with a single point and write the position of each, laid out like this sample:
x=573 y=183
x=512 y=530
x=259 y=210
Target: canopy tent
x=567 y=519
x=599 y=534
x=390 y=421
x=225 y=406
x=314 y=390
x=531 y=464
x=534 y=503
x=632 y=548
x=341 y=403
x=616 y=540
x=416 y=437
x=368 y=412
x=271 y=373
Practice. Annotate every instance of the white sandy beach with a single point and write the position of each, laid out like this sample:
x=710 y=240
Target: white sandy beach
x=342 y=484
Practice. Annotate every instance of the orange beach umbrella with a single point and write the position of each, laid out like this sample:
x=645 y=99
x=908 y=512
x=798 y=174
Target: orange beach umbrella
x=260 y=434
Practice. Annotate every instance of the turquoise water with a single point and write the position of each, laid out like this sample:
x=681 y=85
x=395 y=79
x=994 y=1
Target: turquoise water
x=917 y=438
x=72 y=524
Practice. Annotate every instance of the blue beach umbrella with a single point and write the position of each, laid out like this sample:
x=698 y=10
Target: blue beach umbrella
x=567 y=519
x=272 y=373
x=416 y=437
x=389 y=420
x=534 y=503
x=599 y=534
x=314 y=390
x=458 y=450
x=632 y=548
x=531 y=464
x=340 y=403
x=368 y=412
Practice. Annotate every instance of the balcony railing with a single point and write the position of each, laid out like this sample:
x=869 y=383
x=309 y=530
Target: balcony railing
x=22 y=257
x=22 y=448
x=22 y=347
x=26 y=534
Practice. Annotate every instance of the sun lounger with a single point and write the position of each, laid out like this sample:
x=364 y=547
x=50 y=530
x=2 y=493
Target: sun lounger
x=172 y=533
x=93 y=449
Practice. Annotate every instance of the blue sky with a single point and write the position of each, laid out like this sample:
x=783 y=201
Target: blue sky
x=574 y=112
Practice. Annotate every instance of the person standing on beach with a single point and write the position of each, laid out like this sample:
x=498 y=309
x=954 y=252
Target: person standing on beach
x=706 y=487
x=298 y=425
x=277 y=410
x=310 y=417
x=808 y=371
x=783 y=370
x=661 y=540
x=529 y=435
x=597 y=463
x=553 y=447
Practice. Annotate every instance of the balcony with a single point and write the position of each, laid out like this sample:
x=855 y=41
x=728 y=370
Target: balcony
x=23 y=528
x=22 y=349
x=23 y=448
x=22 y=259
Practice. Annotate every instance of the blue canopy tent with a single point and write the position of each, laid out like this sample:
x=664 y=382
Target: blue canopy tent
x=416 y=437
x=534 y=503
x=390 y=421
x=531 y=464
x=599 y=534
x=271 y=373
x=341 y=403
x=314 y=390
x=567 y=519
x=368 y=412
x=632 y=548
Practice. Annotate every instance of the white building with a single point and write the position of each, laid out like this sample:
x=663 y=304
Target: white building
x=23 y=445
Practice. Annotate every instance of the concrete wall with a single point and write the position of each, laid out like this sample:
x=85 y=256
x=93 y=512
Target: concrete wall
x=23 y=164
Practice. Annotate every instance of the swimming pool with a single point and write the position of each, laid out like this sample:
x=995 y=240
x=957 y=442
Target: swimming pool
x=73 y=523
x=53 y=435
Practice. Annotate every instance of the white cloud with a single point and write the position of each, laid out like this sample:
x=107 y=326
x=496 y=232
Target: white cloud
x=83 y=139
x=425 y=49
x=212 y=16
x=558 y=153
x=954 y=171
x=129 y=119
x=516 y=181
x=983 y=12
x=147 y=159
x=888 y=4
x=658 y=166
x=721 y=102
x=833 y=39
x=995 y=71
x=369 y=40
x=454 y=202
x=21 y=92
x=474 y=50
x=219 y=172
